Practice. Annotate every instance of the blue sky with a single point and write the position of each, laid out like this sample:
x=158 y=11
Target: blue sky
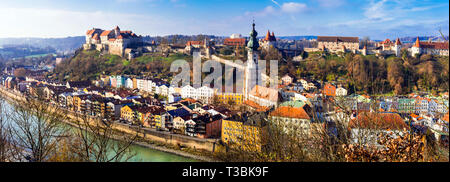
x=377 y=19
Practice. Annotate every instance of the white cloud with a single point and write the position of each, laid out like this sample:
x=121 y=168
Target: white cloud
x=392 y=18
x=266 y=11
x=292 y=7
x=377 y=10
x=285 y=8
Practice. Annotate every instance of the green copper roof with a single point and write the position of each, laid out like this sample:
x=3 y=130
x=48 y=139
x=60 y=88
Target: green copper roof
x=297 y=103
x=253 y=42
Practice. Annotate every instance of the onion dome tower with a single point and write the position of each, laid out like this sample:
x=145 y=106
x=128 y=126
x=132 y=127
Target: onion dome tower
x=252 y=74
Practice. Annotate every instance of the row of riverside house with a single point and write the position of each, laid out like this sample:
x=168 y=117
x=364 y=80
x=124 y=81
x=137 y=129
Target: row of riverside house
x=188 y=116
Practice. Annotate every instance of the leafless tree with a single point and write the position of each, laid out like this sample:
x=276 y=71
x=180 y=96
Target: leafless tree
x=36 y=129
x=4 y=137
x=37 y=133
x=97 y=141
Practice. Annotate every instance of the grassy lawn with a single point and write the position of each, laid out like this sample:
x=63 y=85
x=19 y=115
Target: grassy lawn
x=150 y=58
x=113 y=59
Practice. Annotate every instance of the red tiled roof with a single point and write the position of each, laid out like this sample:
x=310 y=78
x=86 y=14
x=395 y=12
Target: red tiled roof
x=256 y=106
x=194 y=43
x=191 y=100
x=89 y=32
x=372 y=120
x=105 y=33
x=445 y=118
x=387 y=41
x=290 y=112
x=434 y=45
x=234 y=41
x=329 y=90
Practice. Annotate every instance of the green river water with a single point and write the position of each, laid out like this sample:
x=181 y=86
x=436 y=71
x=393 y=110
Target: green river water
x=142 y=154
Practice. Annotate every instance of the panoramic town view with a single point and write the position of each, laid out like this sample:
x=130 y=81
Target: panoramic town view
x=224 y=81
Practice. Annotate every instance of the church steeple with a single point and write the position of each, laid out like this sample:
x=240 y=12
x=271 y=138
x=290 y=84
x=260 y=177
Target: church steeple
x=253 y=42
x=252 y=72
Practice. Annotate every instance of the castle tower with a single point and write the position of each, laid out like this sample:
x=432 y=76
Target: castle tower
x=415 y=49
x=397 y=47
x=269 y=40
x=205 y=43
x=252 y=73
x=117 y=31
x=268 y=36
x=364 y=50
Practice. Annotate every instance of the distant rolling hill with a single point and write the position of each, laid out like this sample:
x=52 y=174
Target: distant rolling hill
x=61 y=45
x=12 y=51
x=307 y=37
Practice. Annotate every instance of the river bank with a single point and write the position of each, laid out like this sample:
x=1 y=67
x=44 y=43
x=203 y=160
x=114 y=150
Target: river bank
x=143 y=140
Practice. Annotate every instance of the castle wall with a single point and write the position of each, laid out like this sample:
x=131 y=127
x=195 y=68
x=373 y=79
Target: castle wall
x=337 y=46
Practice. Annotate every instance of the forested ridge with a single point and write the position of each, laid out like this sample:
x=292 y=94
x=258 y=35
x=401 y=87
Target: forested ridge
x=364 y=74
x=88 y=65
x=375 y=75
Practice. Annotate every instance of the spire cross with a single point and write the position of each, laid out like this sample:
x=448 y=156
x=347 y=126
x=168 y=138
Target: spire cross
x=253 y=24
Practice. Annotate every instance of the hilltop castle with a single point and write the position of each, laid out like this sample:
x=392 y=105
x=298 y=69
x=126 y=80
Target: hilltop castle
x=117 y=42
x=269 y=40
x=433 y=48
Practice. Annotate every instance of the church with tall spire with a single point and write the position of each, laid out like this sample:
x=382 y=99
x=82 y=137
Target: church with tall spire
x=252 y=73
x=255 y=90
